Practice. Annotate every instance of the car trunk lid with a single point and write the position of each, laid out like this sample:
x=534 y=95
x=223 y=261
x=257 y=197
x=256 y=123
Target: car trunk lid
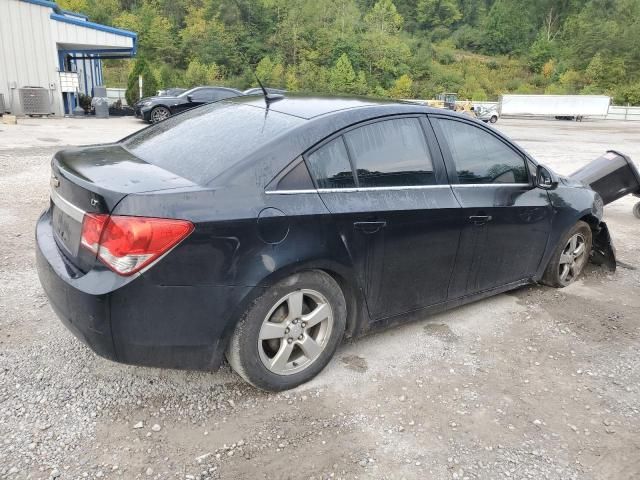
x=613 y=175
x=93 y=180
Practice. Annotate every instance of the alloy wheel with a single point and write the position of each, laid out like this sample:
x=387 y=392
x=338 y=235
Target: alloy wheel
x=295 y=332
x=572 y=258
x=159 y=113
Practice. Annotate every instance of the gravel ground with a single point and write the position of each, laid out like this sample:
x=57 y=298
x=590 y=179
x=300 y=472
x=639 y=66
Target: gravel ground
x=536 y=383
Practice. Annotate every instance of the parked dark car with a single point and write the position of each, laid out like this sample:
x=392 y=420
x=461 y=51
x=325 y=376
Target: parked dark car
x=271 y=234
x=156 y=109
x=258 y=91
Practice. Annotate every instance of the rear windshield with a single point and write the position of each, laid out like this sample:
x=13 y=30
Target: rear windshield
x=202 y=143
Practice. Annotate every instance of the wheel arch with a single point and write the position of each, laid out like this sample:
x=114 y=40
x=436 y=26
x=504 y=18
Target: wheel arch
x=357 y=315
x=560 y=226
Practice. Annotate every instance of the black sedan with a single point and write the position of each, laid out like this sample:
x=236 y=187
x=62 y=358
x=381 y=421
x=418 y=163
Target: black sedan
x=270 y=232
x=156 y=109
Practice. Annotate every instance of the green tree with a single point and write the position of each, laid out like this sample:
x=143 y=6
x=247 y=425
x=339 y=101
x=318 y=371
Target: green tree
x=271 y=73
x=509 y=27
x=200 y=74
x=402 y=87
x=384 y=17
x=541 y=51
x=149 y=84
x=438 y=13
x=342 y=77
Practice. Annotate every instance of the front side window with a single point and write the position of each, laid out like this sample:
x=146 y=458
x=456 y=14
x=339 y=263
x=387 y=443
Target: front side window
x=330 y=165
x=391 y=153
x=480 y=157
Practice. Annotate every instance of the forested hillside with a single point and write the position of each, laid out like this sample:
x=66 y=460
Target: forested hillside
x=401 y=48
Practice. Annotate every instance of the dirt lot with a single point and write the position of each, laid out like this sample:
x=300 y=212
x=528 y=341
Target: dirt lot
x=537 y=383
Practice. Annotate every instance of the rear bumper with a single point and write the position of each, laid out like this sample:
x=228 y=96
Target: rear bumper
x=85 y=314
x=131 y=320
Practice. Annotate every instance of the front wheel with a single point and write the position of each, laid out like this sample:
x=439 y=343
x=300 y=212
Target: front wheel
x=290 y=333
x=636 y=210
x=569 y=260
x=159 y=113
x=493 y=119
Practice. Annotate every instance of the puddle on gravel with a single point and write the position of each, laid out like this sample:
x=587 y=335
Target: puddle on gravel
x=355 y=363
x=440 y=331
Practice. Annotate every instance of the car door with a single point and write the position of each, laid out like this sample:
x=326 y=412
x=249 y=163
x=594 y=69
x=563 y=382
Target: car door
x=395 y=212
x=508 y=221
x=197 y=97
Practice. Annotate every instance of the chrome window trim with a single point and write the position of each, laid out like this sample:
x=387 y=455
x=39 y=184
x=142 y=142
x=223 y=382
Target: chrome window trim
x=491 y=185
x=398 y=188
x=356 y=189
x=67 y=207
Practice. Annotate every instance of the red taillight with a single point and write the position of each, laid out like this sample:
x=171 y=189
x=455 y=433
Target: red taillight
x=128 y=244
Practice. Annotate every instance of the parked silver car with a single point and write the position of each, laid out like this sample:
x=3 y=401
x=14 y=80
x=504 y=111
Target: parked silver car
x=486 y=114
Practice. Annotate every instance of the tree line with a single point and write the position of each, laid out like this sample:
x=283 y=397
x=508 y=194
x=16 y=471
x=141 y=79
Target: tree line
x=402 y=49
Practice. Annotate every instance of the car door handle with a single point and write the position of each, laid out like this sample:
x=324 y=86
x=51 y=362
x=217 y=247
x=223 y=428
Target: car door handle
x=370 y=227
x=480 y=219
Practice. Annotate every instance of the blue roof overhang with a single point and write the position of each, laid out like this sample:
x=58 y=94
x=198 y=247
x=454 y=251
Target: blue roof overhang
x=81 y=20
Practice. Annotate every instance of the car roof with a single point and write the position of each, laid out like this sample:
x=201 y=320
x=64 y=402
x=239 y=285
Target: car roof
x=213 y=87
x=311 y=106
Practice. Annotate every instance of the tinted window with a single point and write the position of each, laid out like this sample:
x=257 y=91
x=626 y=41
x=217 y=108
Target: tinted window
x=296 y=179
x=204 y=95
x=391 y=153
x=223 y=93
x=330 y=165
x=203 y=142
x=480 y=157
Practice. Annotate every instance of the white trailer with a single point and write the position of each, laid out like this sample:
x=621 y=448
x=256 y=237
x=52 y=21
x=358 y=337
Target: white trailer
x=558 y=106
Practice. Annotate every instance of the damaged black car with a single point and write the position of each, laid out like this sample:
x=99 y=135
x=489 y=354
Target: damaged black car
x=267 y=229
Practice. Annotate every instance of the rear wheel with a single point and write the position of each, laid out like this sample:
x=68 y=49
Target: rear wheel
x=493 y=119
x=636 y=210
x=569 y=260
x=159 y=113
x=290 y=333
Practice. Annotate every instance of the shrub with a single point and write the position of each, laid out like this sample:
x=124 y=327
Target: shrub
x=149 y=84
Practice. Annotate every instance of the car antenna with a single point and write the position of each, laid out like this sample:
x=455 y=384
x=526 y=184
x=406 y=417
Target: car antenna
x=268 y=97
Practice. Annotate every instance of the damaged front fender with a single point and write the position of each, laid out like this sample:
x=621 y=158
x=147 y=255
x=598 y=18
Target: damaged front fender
x=603 y=251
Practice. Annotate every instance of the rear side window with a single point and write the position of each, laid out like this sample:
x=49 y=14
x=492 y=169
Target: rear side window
x=203 y=142
x=222 y=94
x=330 y=165
x=391 y=153
x=480 y=157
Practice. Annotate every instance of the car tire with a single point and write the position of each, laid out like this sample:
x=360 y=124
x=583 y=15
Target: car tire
x=158 y=114
x=636 y=210
x=570 y=257
x=273 y=348
x=493 y=119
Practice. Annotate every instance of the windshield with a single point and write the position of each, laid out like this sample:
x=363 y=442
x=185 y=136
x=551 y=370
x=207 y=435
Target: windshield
x=203 y=142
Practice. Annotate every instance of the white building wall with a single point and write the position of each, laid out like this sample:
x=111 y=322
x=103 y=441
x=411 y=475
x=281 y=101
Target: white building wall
x=29 y=44
x=28 y=54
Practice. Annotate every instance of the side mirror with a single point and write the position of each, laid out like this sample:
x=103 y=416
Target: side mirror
x=546 y=179
x=190 y=98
